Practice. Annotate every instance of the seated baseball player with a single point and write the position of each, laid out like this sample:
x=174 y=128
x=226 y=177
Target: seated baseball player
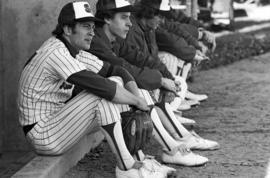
x=186 y=48
x=178 y=30
x=53 y=117
x=188 y=23
x=142 y=36
x=105 y=46
x=142 y=33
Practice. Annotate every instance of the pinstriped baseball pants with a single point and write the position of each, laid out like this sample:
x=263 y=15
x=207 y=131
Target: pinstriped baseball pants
x=175 y=65
x=78 y=117
x=85 y=112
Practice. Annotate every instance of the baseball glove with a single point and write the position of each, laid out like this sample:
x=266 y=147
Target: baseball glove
x=137 y=129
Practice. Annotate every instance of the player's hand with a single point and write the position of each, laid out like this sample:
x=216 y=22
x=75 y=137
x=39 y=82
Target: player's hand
x=210 y=39
x=169 y=96
x=199 y=57
x=168 y=84
x=204 y=48
x=142 y=105
x=178 y=85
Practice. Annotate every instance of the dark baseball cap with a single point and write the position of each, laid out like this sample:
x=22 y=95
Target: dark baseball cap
x=79 y=11
x=115 y=5
x=161 y=5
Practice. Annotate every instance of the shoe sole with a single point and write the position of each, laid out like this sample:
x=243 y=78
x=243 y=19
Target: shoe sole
x=188 y=124
x=197 y=165
x=185 y=109
x=207 y=149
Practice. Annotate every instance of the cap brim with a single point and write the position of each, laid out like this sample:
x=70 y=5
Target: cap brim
x=164 y=13
x=87 y=19
x=128 y=8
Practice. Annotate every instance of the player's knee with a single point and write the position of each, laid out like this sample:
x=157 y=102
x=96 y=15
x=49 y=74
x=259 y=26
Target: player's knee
x=117 y=79
x=145 y=94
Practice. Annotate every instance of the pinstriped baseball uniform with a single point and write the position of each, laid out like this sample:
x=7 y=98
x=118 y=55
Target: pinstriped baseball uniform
x=43 y=92
x=174 y=64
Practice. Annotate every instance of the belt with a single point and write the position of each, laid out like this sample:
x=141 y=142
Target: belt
x=27 y=128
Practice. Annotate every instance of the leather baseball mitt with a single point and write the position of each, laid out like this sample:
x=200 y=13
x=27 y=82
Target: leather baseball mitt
x=137 y=129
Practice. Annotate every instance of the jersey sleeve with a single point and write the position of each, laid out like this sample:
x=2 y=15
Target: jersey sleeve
x=63 y=64
x=91 y=62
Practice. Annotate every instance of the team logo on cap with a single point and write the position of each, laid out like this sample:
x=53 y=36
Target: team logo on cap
x=87 y=8
x=121 y=3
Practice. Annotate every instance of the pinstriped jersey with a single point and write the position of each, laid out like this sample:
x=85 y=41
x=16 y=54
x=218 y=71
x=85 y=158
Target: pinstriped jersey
x=43 y=89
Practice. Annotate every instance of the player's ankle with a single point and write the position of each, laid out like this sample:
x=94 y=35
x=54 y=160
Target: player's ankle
x=137 y=165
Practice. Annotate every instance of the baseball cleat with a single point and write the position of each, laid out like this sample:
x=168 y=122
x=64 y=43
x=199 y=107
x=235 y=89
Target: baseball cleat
x=183 y=107
x=185 y=121
x=198 y=97
x=155 y=165
x=189 y=159
x=143 y=172
x=195 y=142
x=191 y=102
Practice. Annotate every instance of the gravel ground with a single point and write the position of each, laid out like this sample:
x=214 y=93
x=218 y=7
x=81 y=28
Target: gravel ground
x=236 y=115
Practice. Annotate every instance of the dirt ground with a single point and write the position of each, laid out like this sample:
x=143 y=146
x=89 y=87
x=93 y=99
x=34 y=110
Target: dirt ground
x=237 y=115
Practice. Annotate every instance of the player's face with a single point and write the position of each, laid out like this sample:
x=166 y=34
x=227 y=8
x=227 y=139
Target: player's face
x=82 y=35
x=154 y=22
x=120 y=24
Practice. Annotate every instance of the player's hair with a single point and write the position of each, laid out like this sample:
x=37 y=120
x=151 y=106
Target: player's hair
x=147 y=12
x=58 y=31
x=109 y=14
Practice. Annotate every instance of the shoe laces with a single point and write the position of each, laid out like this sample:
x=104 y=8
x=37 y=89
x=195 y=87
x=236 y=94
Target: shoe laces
x=182 y=149
x=150 y=166
x=197 y=137
x=193 y=133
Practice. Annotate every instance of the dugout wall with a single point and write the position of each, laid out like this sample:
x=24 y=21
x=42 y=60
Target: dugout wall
x=25 y=24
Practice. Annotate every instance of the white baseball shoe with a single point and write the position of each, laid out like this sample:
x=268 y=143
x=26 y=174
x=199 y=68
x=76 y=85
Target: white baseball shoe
x=195 y=142
x=179 y=113
x=184 y=120
x=153 y=164
x=183 y=107
x=191 y=102
x=185 y=159
x=143 y=172
x=198 y=97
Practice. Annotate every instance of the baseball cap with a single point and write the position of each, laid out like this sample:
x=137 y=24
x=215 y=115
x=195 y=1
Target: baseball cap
x=161 y=5
x=79 y=11
x=115 y=5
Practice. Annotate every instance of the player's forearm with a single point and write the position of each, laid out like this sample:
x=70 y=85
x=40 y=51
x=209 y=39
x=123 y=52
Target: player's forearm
x=133 y=88
x=121 y=72
x=123 y=96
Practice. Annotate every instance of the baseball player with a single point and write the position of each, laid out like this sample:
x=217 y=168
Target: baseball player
x=105 y=45
x=53 y=116
x=142 y=33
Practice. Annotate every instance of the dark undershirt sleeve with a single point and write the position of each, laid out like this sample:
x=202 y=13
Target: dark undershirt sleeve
x=94 y=83
x=113 y=70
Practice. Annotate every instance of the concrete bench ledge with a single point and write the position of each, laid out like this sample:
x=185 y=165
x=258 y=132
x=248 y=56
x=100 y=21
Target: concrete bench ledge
x=57 y=166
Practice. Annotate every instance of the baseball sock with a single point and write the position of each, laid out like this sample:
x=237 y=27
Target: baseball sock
x=170 y=122
x=140 y=156
x=185 y=71
x=114 y=135
x=160 y=134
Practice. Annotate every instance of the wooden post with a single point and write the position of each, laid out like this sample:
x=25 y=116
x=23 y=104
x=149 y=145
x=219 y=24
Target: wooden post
x=195 y=9
x=1 y=85
x=192 y=6
x=188 y=10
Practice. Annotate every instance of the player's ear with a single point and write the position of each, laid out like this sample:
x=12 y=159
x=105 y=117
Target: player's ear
x=107 y=21
x=67 y=30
